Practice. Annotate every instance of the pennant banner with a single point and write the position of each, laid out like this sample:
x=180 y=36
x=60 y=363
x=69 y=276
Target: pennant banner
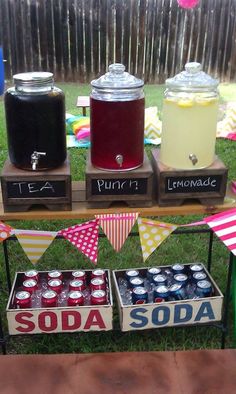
x=152 y=233
x=224 y=226
x=34 y=243
x=117 y=227
x=5 y=231
x=84 y=237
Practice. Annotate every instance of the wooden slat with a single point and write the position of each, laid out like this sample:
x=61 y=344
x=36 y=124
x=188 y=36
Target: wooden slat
x=81 y=211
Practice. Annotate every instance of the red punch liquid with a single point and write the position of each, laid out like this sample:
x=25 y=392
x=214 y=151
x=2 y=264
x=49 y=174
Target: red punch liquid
x=117 y=128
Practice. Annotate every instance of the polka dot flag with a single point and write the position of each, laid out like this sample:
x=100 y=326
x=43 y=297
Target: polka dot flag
x=84 y=237
x=152 y=233
x=5 y=231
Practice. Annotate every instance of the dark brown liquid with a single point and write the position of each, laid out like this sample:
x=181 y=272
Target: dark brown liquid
x=36 y=123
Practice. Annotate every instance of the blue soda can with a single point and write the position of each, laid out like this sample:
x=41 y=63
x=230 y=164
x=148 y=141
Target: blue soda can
x=160 y=280
x=139 y=296
x=177 y=292
x=178 y=269
x=136 y=282
x=204 y=288
x=195 y=268
x=131 y=274
x=197 y=276
x=160 y=294
x=151 y=272
x=181 y=279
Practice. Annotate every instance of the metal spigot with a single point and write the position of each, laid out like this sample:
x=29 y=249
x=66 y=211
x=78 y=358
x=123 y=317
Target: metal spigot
x=35 y=159
x=193 y=158
x=119 y=160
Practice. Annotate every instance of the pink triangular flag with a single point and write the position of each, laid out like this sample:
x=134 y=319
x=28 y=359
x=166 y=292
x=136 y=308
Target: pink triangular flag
x=5 y=231
x=224 y=226
x=84 y=237
x=117 y=227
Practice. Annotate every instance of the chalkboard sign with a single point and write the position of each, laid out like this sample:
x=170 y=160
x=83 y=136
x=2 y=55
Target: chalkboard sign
x=193 y=184
x=118 y=187
x=36 y=189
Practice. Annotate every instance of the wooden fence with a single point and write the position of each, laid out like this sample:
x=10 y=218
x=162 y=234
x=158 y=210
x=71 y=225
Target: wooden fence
x=78 y=39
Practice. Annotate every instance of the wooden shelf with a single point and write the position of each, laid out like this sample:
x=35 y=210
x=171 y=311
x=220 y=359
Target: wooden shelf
x=81 y=211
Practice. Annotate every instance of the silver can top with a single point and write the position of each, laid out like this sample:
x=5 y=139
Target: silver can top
x=33 y=79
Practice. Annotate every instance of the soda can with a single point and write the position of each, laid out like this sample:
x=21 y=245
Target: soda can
x=160 y=294
x=55 y=285
x=54 y=274
x=136 y=282
x=75 y=298
x=30 y=285
x=79 y=275
x=31 y=274
x=49 y=299
x=97 y=284
x=195 y=268
x=76 y=285
x=139 y=296
x=23 y=299
x=176 y=292
x=182 y=279
x=131 y=274
x=204 y=289
x=99 y=273
x=151 y=272
x=178 y=268
x=98 y=297
x=197 y=276
x=160 y=280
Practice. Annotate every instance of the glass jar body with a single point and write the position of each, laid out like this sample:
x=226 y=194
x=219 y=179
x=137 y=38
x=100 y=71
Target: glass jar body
x=35 y=120
x=189 y=129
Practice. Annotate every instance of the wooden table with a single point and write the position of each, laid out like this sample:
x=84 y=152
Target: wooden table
x=182 y=372
x=81 y=211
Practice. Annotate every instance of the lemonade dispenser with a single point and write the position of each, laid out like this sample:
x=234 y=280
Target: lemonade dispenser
x=189 y=119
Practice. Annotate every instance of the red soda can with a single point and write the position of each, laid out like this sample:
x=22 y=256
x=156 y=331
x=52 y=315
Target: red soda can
x=79 y=275
x=76 y=285
x=32 y=274
x=97 y=284
x=49 y=299
x=55 y=285
x=30 y=285
x=54 y=275
x=98 y=297
x=23 y=299
x=75 y=298
x=98 y=273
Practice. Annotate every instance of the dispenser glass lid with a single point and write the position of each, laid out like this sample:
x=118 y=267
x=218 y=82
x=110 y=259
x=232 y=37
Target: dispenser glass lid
x=192 y=79
x=117 y=78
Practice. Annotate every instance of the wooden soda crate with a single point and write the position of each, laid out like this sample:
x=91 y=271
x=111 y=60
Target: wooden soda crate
x=169 y=313
x=65 y=319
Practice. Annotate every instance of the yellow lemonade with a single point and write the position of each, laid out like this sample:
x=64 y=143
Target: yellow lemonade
x=189 y=131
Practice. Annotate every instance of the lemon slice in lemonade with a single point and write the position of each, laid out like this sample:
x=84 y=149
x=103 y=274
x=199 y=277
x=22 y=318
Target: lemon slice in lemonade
x=205 y=101
x=185 y=103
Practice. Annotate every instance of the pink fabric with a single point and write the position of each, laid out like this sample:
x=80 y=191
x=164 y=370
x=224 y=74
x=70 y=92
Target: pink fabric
x=187 y=3
x=84 y=237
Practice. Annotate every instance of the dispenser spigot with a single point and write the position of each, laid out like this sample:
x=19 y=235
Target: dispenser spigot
x=193 y=158
x=35 y=159
x=119 y=160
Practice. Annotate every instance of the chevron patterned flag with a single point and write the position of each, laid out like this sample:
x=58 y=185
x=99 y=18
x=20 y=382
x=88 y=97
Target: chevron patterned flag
x=34 y=243
x=224 y=226
x=152 y=127
x=5 y=231
x=117 y=227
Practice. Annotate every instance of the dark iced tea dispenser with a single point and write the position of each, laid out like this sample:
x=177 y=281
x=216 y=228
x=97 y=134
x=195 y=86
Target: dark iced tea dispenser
x=35 y=119
x=117 y=120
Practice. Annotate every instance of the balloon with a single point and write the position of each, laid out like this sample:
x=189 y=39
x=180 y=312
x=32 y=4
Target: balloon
x=188 y=3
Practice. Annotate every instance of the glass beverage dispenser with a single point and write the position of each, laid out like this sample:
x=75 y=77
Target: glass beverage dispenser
x=117 y=120
x=35 y=118
x=189 y=119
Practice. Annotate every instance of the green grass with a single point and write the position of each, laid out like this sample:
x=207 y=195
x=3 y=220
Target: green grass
x=184 y=248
